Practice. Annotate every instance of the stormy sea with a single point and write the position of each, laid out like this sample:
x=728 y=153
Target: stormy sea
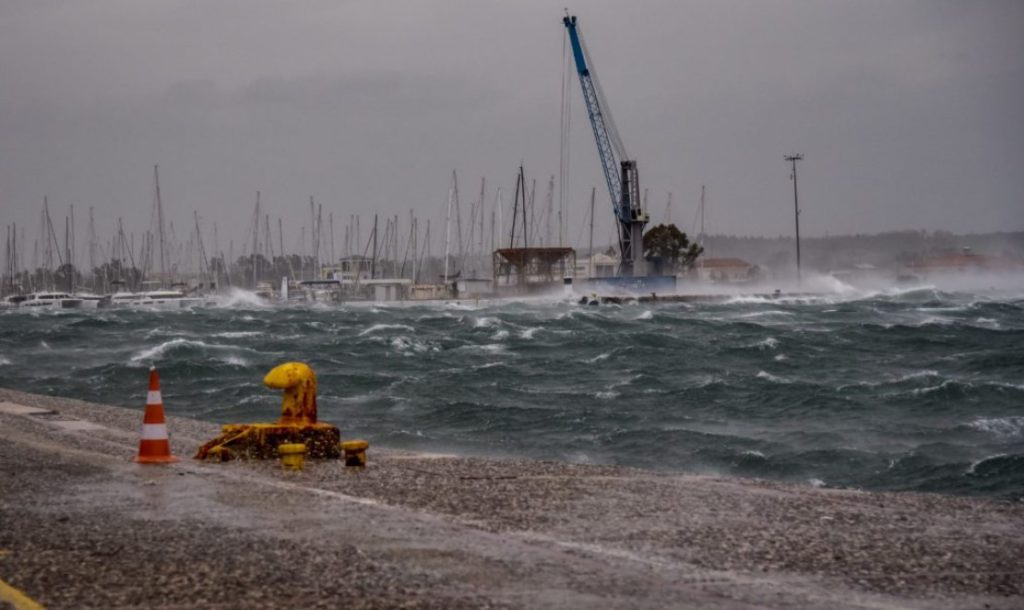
x=919 y=389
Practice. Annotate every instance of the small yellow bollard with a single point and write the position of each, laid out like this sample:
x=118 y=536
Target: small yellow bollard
x=293 y=455
x=355 y=452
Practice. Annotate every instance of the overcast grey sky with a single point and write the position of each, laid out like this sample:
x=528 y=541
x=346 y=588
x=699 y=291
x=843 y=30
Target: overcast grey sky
x=909 y=112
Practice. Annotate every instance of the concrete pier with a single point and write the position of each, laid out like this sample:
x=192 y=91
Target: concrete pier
x=82 y=526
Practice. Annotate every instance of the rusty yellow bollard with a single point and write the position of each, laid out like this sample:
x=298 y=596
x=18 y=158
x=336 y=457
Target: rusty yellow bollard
x=355 y=452
x=297 y=425
x=298 y=405
x=293 y=455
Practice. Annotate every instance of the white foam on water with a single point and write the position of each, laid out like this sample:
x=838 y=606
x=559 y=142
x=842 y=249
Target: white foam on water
x=485 y=322
x=241 y=297
x=528 y=333
x=753 y=453
x=772 y=378
x=501 y=335
x=768 y=312
x=950 y=308
x=4 y=360
x=894 y=380
x=815 y=482
x=987 y=322
x=748 y=300
x=154 y=353
x=160 y=331
x=706 y=380
x=933 y=388
x=1005 y=386
x=598 y=358
x=236 y=361
x=44 y=345
x=607 y=395
x=238 y=334
x=255 y=398
x=379 y=327
x=780 y=357
x=974 y=465
x=916 y=375
x=769 y=343
x=408 y=346
x=647 y=314
x=1002 y=427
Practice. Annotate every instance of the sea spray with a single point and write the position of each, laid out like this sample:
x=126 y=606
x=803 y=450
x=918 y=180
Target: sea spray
x=897 y=390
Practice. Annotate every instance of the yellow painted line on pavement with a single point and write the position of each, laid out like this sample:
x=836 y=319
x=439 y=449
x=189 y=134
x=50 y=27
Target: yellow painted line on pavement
x=16 y=598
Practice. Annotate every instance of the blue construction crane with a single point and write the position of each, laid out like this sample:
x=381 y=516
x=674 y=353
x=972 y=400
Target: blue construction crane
x=619 y=172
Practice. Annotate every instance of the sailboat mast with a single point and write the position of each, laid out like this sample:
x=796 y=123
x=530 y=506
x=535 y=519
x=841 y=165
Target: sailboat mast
x=373 y=261
x=448 y=230
x=590 y=265
x=160 y=223
x=92 y=240
x=255 y=240
x=702 y=216
x=330 y=221
x=458 y=218
x=73 y=251
x=69 y=268
x=483 y=184
x=515 y=209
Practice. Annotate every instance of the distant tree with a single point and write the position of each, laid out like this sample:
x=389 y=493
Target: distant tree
x=671 y=246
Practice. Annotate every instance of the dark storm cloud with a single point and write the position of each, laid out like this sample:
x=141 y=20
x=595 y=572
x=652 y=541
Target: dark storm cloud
x=908 y=112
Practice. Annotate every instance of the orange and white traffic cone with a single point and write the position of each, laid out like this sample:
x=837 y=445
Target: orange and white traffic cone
x=155 y=446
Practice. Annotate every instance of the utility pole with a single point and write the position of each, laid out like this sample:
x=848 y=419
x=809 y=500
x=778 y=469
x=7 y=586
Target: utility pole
x=796 y=209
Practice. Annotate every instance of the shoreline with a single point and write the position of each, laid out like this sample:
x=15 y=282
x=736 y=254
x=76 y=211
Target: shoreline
x=86 y=527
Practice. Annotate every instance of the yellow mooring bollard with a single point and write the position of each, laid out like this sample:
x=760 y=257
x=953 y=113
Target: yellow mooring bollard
x=355 y=452
x=297 y=424
x=293 y=455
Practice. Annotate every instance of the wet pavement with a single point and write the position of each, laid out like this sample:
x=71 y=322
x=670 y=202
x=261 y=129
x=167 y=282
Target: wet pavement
x=82 y=526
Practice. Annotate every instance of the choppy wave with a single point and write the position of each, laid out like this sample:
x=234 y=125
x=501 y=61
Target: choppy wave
x=916 y=389
x=1003 y=427
x=158 y=351
x=239 y=298
x=238 y=334
x=379 y=327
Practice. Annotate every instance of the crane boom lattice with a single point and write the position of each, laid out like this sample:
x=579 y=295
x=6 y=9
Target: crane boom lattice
x=620 y=173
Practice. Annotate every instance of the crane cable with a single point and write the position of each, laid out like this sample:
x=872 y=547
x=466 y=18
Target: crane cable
x=564 y=144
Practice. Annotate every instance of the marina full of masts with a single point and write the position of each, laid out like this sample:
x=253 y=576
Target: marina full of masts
x=385 y=261
x=74 y=260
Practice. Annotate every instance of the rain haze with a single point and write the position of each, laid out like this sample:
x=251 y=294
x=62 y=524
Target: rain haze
x=596 y=408
x=908 y=113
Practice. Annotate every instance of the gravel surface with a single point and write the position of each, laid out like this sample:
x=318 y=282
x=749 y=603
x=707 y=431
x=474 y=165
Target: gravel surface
x=82 y=526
